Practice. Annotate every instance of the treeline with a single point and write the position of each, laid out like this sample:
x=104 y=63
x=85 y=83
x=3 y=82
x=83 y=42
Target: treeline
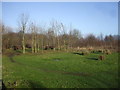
x=55 y=37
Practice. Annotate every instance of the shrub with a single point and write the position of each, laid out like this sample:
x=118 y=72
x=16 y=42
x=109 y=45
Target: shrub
x=101 y=57
x=101 y=50
x=93 y=51
x=107 y=52
x=85 y=52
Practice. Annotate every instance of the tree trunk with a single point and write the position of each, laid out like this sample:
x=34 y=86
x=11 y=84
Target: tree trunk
x=58 y=44
x=38 y=46
x=23 y=43
x=42 y=44
x=54 y=43
x=64 y=46
x=32 y=43
x=35 y=44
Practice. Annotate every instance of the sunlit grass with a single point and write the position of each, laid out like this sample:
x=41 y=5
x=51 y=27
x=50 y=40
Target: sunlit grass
x=60 y=70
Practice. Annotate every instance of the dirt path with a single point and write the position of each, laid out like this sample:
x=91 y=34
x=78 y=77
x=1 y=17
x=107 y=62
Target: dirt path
x=68 y=73
x=11 y=55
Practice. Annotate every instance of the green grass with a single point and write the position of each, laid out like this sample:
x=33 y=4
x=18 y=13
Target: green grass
x=60 y=70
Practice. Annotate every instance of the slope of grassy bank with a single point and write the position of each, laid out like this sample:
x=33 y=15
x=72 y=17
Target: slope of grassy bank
x=60 y=70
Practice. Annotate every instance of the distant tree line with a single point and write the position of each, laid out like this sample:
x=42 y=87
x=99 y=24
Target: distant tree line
x=56 y=37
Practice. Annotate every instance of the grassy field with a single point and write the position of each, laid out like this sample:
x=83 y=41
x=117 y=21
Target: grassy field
x=60 y=70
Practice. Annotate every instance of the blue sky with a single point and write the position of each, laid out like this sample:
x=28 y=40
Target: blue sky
x=88 y=17
x=0 y=10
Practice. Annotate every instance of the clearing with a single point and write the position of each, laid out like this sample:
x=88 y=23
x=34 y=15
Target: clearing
x=60 y=70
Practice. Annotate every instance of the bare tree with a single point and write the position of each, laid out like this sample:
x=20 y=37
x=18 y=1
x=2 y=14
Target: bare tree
x=32 y=32
x=42 y=37
x=35 y=38
x=7 y=35
x=50 y=37
x=70 y=37
x=91 y=40
x=23 y=24
x=64 y=36
x=58 y=32
x=53 y=29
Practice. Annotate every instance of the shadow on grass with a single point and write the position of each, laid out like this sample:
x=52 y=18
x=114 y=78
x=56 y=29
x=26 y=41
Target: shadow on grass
x=92 y=58
x=23 y=84
x=96 y=52
x=56 y=59
x=36 y=85
x=78 y=53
